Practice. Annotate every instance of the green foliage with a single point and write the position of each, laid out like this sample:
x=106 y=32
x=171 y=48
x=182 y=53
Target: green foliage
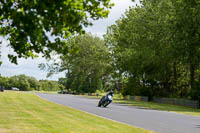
x=99 y=91
x=155 y=46
x=4 y=82
x=49 y=85
x=0 y=53
x=87 y=64
x=28 y=24
x=26 y=83
x=34 y=84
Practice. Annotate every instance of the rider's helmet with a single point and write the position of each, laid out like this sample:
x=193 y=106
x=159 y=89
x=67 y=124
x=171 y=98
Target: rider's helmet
x=111 y=92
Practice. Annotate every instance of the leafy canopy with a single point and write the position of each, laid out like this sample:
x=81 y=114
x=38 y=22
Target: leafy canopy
x=86 y=64
x=156 y=45
x=28 y=24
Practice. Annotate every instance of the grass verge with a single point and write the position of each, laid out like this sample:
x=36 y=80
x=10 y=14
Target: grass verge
x=27 y=113
x=163 y=107
x=156 y=106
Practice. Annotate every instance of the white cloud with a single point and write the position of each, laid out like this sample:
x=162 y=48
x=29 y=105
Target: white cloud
x=99 y=27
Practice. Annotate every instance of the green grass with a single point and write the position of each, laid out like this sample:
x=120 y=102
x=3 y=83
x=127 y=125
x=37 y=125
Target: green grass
x=22 y=112
x=156 y=106
x=163 y=107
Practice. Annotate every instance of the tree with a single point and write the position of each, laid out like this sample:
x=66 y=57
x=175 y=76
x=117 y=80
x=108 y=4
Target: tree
x=34 y=84
x=19 y=81
x=186 y=32
x=0 y=52
x=86 y=64
x=156 y=48
x=29 y=24
x=138 y=41
x=26 y=83
x=47 y=85
x=13 y=82
x=89 y=64
x=4 y=81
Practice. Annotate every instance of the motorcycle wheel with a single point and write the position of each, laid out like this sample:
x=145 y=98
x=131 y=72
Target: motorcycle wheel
x=99 y=105
x=106 y=103
x=101 y=102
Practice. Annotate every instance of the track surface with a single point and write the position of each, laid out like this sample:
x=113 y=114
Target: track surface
x=159 y=121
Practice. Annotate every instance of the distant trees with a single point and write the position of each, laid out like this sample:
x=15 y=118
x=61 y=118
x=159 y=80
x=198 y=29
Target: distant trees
x=50 y=85
x=26 y=83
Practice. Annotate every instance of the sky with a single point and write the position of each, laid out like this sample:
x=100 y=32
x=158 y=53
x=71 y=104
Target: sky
x=29 y=67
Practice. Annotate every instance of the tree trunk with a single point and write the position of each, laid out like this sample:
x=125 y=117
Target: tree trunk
x=192 y=74
x=175 y=72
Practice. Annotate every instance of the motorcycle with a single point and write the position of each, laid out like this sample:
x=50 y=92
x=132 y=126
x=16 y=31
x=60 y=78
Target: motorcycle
x=105 y=101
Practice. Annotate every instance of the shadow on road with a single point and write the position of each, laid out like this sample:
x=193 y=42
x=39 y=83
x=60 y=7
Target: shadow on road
x=131 y=106
x=197 y=126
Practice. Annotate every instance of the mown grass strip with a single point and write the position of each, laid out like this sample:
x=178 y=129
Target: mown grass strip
x=155 y=106
x=22 y=112
x=163 y=107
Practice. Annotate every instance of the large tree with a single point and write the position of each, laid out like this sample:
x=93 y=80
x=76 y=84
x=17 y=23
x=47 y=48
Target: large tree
x=138 y=41
x=29 y=24
x=157 y=46
x=87 y=64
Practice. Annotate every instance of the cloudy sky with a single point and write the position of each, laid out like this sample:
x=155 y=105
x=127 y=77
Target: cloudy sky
x=29 y=67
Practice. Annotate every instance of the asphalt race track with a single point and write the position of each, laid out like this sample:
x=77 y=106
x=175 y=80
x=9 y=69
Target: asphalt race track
x=159 y=121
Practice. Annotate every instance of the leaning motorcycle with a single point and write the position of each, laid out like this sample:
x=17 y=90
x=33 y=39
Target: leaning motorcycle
x=105 y=101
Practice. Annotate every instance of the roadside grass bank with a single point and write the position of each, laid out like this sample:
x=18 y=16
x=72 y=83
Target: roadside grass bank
x=22 y=112
x=152 y=105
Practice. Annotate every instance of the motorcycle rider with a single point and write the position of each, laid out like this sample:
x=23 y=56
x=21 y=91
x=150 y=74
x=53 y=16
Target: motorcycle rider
x=111 y=94
x=106 y=97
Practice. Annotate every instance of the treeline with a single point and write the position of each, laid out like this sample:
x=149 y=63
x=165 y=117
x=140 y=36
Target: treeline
x=26 y=83
x=152 y=50
x=156 y=48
